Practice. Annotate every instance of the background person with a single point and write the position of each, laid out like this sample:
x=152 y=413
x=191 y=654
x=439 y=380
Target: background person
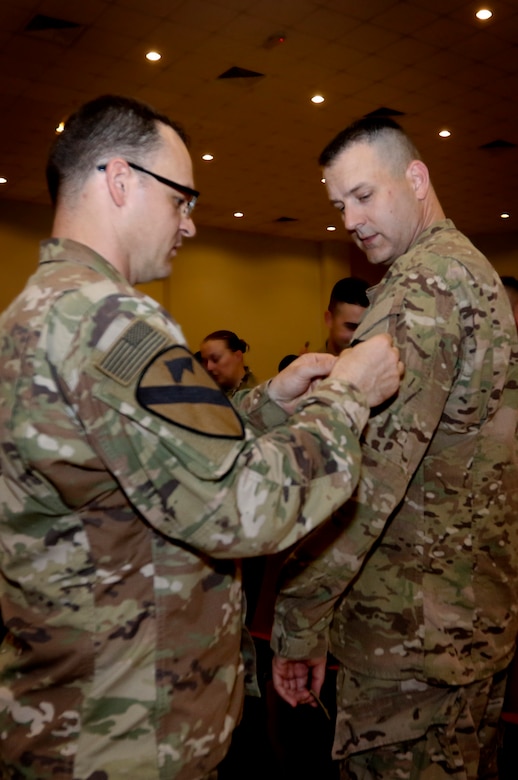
x=223 y=355
x=129 y=483
x=347 y=305
x=413 y=585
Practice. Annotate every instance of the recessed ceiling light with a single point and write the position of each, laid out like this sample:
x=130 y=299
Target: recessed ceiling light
x=484 y=14
x=207 y=157
x=330 y=228
x=505 y=215
x=60 y=127
x=317 y=99
x=153 y=56
x=238 y=214
x=444 y=133
x=323 y=180
x=3 y=180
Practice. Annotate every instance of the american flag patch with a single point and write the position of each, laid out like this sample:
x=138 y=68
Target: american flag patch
x=132 y=351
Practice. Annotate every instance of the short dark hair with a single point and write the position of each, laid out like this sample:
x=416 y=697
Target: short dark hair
x=371 y=129
x=511 y=282
x=107 y=126
x=231 y=339
x=351 y=289
x=286 y=361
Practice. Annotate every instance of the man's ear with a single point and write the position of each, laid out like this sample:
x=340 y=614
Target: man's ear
x=328 y=318
x=118 y=176
x=419 y=178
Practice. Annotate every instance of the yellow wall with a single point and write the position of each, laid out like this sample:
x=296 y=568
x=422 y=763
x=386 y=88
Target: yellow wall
x=271 y=291
x=501 y=250
x=22 y=226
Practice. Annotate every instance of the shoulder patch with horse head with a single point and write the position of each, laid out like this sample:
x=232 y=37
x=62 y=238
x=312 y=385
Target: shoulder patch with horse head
x=177 y=388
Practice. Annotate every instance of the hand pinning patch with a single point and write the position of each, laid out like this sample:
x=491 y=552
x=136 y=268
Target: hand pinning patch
x=177 y=388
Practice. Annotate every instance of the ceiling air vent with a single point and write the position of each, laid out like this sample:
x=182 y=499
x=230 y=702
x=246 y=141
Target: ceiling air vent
x=52 y=28
x=384 y=111
x=41 y=22
x=286 y=219
x=498 y=144
x=240 y=73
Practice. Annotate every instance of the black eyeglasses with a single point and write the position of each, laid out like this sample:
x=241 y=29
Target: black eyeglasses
x=191 y=194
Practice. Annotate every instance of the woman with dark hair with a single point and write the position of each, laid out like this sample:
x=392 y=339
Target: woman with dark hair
x=223 y=355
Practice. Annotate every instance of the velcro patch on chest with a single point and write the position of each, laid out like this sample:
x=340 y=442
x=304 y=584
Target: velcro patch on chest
x=177 y=388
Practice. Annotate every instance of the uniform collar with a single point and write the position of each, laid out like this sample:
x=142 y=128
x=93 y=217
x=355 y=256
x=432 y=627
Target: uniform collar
x=60 y=250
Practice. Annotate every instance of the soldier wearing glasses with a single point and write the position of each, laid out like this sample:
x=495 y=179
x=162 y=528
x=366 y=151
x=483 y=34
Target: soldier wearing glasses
x=128 y=482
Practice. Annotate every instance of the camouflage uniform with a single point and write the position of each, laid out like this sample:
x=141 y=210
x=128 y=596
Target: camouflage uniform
x=247 y=383
x=415 y=580
x=128 y=485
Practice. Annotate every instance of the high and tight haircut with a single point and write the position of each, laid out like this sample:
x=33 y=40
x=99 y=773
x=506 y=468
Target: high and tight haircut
x=109 y=126
x=231 y=339
x=373 y=129
x=352 y=290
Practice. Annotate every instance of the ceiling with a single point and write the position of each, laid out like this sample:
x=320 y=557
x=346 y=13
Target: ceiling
x=430 y=60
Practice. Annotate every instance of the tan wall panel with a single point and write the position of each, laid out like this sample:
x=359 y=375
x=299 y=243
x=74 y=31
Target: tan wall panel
x=265 y=289
x=22 y=226
x=271 y=291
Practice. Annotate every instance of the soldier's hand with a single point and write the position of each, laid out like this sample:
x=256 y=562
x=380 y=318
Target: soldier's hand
x=298 y=682
x=291 y=384
x=373 y=366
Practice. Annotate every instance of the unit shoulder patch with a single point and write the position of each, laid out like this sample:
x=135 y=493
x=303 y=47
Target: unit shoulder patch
x=177 y=388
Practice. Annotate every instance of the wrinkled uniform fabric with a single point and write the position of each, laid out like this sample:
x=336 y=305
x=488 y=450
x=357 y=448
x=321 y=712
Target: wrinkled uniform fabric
x=416 y=577
x=118 y=527
x=421 y=731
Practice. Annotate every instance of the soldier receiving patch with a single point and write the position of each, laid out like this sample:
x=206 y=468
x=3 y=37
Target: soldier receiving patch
x=177 y=388
x=415 y=581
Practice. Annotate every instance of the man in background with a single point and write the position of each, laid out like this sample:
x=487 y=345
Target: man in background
x=129 y=484
x=413 y=585
x=347 y=305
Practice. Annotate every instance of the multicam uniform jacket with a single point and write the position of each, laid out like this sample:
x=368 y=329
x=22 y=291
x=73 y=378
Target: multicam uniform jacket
x=416 y=577
x=128 y=484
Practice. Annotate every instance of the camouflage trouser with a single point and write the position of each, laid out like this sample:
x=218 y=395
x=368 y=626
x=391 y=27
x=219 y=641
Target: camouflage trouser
x=407 y=730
